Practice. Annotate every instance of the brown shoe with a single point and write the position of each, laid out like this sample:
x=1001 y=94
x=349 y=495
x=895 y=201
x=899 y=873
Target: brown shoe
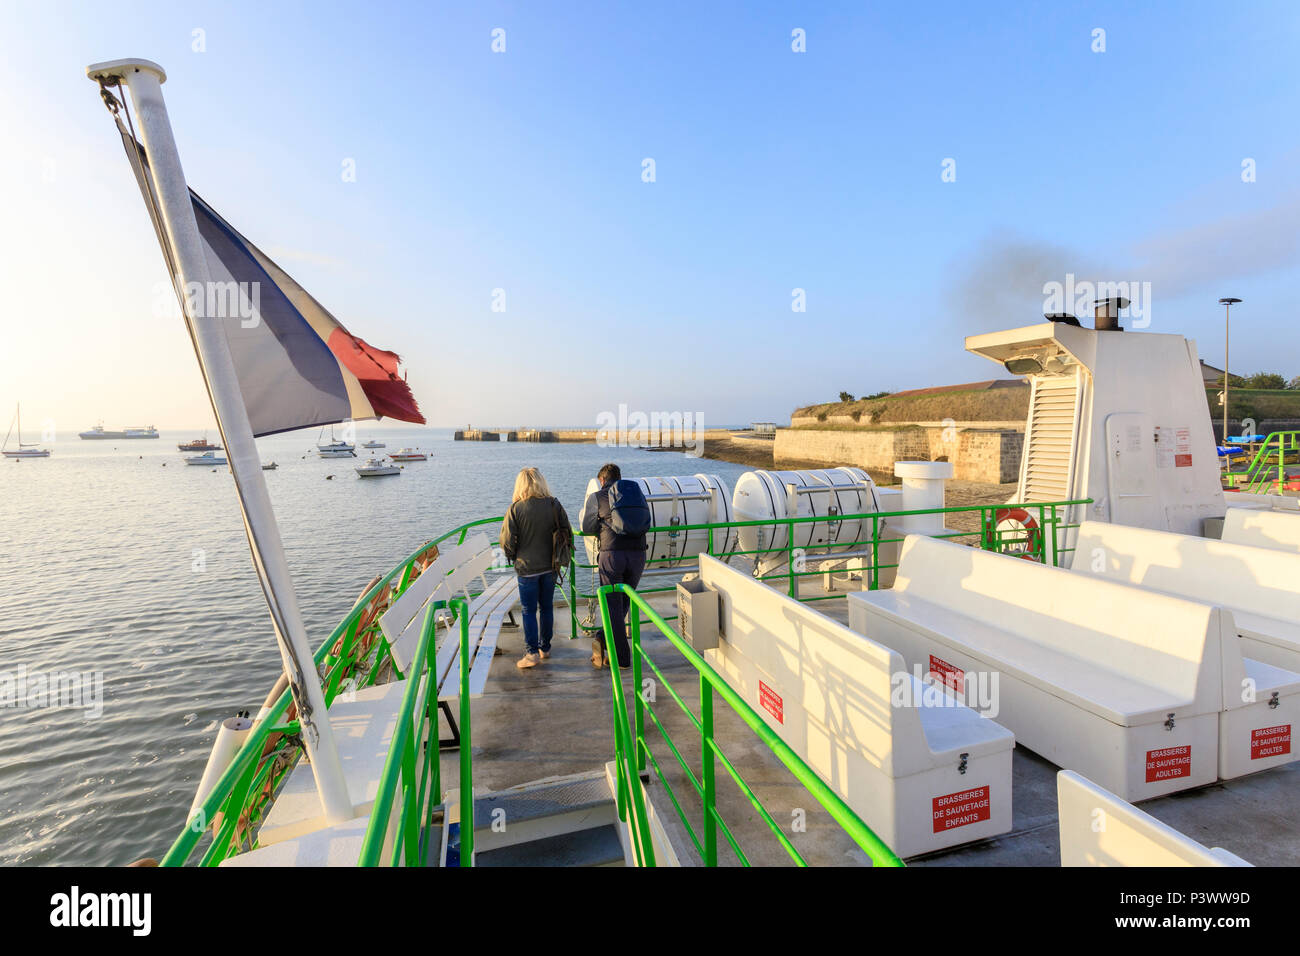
x=543 y=654
x=597 y=655
x=528 y=660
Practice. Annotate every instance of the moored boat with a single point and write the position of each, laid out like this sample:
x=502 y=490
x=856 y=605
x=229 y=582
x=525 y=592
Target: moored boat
x=207 y=458
x=198 y=445
x=409 y=454
x=374 y=468
x=24 y=449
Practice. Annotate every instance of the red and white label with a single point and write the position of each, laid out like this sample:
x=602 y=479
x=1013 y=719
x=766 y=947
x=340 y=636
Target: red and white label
x=771 y=702
x=1182 y=461
x=948 y=674
x=1169 y=764
x=1270 y=742
x=961 y=809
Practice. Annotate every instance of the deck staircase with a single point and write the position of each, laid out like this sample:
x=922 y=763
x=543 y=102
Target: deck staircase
x=561 y=821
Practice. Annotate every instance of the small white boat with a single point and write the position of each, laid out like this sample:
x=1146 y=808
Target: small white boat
x=374 y=468
x=24 y=449
x=207 y=458
x=373 y=444
x=336 y=448
x=409 y=454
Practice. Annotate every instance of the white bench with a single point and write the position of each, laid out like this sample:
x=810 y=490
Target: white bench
x=1256 y=588
x=447 y=577
x=1099 y=829
x=1122 y=685
x=363 y=725
x=921 y=770
x=1278 y=530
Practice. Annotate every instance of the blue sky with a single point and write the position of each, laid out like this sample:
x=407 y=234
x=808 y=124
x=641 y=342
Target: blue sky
x=775 y=170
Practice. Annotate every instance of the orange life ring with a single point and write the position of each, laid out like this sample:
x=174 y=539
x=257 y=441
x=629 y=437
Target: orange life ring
x=1020 y=520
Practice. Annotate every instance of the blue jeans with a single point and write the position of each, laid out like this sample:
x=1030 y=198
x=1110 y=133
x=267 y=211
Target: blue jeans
x=536 y=593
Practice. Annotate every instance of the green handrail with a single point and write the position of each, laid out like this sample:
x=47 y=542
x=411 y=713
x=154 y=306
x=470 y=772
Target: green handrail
x=631 y=796
x=409 y=749
x=1043 y=543
x=227 y=800
x=246 y=786
x=1262 y=471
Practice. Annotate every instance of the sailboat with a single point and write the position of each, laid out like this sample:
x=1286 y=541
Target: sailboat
x=335 y=449
x=24 y=450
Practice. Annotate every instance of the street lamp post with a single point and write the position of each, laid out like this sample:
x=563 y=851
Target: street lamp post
x=1227 y=306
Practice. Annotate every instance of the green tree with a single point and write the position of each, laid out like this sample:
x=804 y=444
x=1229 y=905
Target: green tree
x=845 y=397
x=1294 y=384
x=1266 y=380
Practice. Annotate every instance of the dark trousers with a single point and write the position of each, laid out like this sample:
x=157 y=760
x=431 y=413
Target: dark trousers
x=535 y=594
x=619 y=567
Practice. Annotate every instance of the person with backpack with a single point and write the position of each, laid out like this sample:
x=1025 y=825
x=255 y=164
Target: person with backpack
x=619 y=516
x=537 y=540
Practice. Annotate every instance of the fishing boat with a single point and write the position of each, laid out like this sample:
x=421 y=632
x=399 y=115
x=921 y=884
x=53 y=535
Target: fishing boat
x=271 y=467
x=24 y=449
x=374 y=468
x=199 y=445
x=98 y=433
x=820 y=669
x=373 y=444
x=409 y=454
x=207 y=458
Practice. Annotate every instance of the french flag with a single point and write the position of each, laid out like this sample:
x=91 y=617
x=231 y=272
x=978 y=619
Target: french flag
x=297 y=365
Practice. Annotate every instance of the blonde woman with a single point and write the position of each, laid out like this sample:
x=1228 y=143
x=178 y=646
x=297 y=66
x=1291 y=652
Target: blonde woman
x=528 y=538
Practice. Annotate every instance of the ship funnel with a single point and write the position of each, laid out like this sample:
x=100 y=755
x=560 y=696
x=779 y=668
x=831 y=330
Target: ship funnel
x=1106 y=314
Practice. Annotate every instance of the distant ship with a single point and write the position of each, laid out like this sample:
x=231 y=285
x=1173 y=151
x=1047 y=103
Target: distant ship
x=199 y=444
x=97 y=433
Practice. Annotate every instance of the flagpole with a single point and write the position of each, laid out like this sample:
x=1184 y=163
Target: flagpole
x=144 y=80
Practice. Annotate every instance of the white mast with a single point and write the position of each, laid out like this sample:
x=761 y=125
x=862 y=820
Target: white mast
x=144 y=80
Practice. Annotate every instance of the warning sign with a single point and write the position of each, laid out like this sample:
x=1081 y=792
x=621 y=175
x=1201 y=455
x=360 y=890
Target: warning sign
x=1182 y=448
x=1270 y=742
x=771 y=702
x=1169 y=764
x=948 y=674
x=961 y=809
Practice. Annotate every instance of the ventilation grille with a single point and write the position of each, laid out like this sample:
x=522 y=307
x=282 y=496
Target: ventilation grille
x=1051 y=429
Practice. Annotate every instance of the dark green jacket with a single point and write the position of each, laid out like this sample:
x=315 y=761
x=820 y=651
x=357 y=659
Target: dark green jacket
x=527 y=534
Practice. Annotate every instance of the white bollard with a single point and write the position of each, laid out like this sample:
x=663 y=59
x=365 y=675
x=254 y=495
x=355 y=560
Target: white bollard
x=923 y=490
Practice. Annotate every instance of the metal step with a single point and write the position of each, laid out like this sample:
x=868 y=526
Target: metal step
x=542 y=810
x=590 y=847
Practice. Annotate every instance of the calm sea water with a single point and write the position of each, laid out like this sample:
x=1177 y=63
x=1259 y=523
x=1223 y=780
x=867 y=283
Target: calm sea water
x=118 y=559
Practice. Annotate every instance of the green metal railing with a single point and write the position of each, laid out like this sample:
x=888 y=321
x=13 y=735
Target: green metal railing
x=1267 y=472
x=631 y=754
x=411 y=780
x=1034 y=530
x=356 y=653
x=352 y=656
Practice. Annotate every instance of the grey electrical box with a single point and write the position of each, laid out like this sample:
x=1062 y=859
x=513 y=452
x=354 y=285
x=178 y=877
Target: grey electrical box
x=697 y=614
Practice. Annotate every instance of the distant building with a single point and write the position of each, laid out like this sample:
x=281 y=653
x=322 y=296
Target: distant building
x=1212 y=375
x=764 y=428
